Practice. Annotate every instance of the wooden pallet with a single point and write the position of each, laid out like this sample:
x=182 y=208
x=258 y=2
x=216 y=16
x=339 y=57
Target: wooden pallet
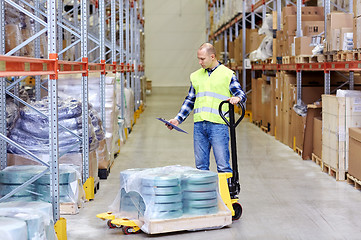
x=353 y=181
x=267 y=61
x=357 y=55
x=339 y=175
x=192 y=222
x=264 y=129
x=345 y=56
x=316 y=159
x=306 y=59
x=298 y=151
x=257 y=123
x=321 y=58
x=69 y=208
x=331 y=56
x=96 y=186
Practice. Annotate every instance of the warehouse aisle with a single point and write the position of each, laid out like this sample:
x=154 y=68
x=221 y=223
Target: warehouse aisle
x=283 y=197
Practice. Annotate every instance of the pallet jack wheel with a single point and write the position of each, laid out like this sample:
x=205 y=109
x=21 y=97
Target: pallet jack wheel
x=129 y=230
x=237 y=211
x=110 y=224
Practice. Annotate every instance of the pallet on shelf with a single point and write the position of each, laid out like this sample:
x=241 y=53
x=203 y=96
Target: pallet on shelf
x=321 y=58
x=298 y=151
x=345 y=56
x=331 y=56
x=69 y=208
x=306 y=59
x=353 y=181
x=288 y=59
x=317 y=160
x=339 y=175
x=264 y=129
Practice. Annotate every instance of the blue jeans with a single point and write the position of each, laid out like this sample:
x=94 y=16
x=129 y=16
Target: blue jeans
x=207 y=135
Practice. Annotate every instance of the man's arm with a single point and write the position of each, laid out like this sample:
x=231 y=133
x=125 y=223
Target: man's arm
x=237 y=92
x=186 y=108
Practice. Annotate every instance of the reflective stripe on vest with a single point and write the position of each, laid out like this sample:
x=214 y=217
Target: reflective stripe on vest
x=212 y=94
x=211 y=90
x=210 y=110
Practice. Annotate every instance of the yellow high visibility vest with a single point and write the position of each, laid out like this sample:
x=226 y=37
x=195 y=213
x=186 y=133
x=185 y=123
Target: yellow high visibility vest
x=210 y=92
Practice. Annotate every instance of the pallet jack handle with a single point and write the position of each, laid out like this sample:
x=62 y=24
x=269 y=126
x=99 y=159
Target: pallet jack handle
x=234 y=187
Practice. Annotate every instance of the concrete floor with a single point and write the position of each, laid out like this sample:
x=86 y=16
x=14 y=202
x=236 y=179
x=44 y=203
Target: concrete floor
x=283 y=197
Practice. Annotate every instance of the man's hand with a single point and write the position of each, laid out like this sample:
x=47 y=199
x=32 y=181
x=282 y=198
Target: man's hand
x=234 y=100
x=174 y=122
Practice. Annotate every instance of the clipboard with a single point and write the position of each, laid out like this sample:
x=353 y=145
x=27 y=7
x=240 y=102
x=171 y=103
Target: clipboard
x=173 y=126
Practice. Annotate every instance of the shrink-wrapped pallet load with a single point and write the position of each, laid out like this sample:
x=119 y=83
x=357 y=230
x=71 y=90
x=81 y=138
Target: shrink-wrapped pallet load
x=27 y=220
x=172 y=198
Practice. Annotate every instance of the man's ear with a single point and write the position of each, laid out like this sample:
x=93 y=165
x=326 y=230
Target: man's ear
x=213 y=56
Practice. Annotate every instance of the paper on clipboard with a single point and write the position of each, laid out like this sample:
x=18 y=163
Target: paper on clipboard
x=173 y=126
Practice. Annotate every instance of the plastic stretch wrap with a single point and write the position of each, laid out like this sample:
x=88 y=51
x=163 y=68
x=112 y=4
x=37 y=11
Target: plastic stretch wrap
x=13 y=229
x=13 y=176
x=31 y=129
x=11 y=115
x=172 y=192
x=129 y=107
x=40 y=209
x=71 y=86
x=264 y=51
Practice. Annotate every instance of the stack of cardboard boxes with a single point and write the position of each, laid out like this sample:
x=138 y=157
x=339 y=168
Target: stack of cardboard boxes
x=312 y=24
x=357 y=24
x=339 y=32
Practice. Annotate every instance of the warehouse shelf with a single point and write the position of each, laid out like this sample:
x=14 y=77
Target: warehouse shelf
x=233 y=25
x=104 y=56
x=323 y=66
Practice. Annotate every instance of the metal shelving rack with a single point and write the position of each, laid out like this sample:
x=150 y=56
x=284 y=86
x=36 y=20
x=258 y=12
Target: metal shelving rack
x=240 y=21
x=50 y=17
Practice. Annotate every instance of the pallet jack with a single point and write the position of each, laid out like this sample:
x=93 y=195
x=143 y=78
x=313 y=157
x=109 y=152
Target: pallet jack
x=229 y=186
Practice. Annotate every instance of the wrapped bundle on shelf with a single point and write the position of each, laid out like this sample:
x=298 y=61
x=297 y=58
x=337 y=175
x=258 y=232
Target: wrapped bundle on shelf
x=35 y=217
x=11 y=115
x=265 y=49
x=129 y=107
x=71 y=86
x=70 y=188
x=31 y=129
x=13 y=229
x=171 y=198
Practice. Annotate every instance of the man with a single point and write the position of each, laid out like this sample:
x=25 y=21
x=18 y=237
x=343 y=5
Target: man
x=210 y=85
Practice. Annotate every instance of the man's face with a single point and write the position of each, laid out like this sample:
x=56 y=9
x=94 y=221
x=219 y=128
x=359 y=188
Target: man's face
x=205 y=59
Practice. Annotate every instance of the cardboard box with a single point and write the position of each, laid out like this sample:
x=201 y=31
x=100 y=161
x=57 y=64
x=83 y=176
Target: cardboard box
x=255 y=40
x=302 y=46
x=290 y=24
x=313 y=28
x=312 y=112
x=336 y=21
x=344 y=36
x=317 y=137
x=354 y=167
x=279 y=123
x=254 y=99
x=230 y=50
x=357 y=8
x=357 y=32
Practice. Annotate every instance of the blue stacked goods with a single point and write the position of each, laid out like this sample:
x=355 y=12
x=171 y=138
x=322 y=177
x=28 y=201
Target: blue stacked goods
x=33 y=220
x=13 y=176
x=31 y=129
x=165 y=193
x=200 y=192
x=169 y=192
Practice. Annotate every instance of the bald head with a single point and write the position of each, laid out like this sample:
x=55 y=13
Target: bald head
x=207 y=56
x=209 y=48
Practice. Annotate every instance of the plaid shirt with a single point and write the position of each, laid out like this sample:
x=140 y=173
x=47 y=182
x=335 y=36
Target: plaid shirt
x=188 y=104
